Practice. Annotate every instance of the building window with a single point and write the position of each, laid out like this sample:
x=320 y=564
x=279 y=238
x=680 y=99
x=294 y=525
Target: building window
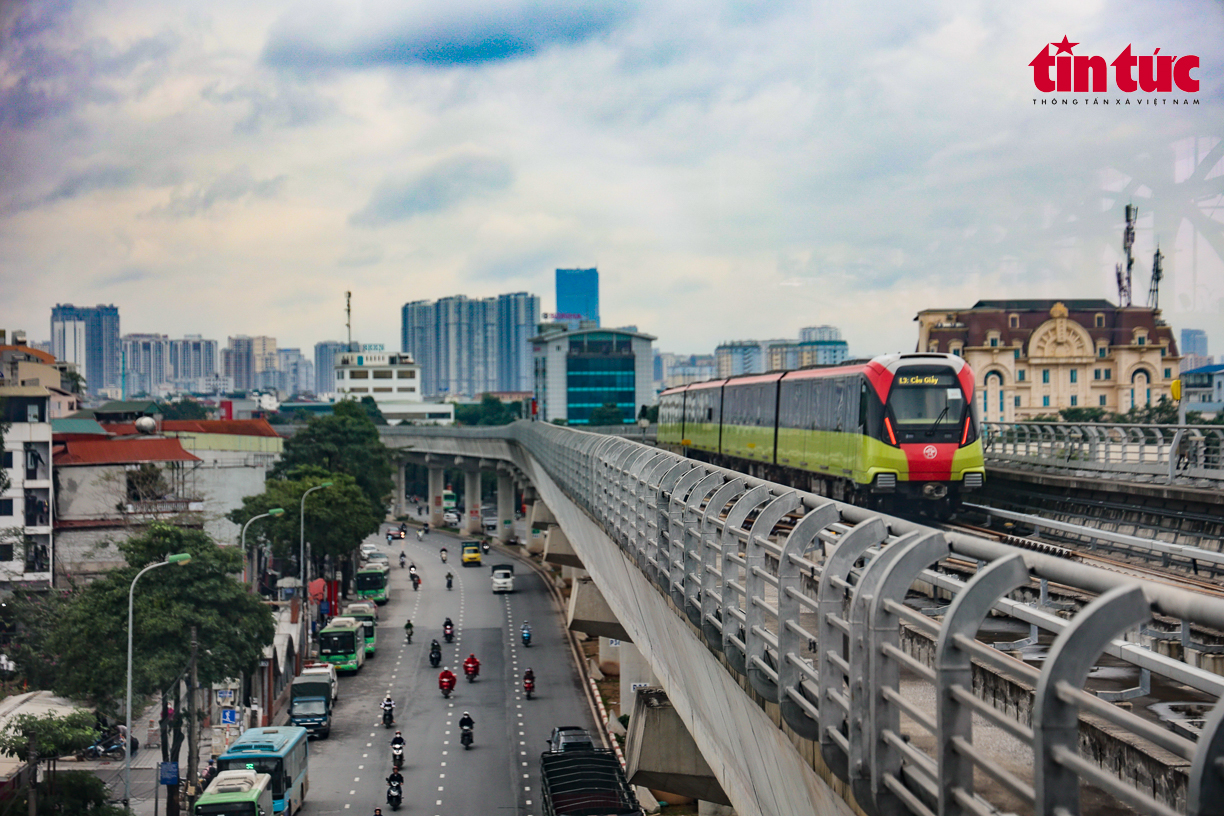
x=1074 y=375
x=1102 y=399
x=1164 y=351
x=994 y=342
x=1074 y=400
x=1020 y=375
x=361 y=390
x=382 y=373
x=359 y=375
x=1141 y=340
x=8 y=460
x=1096 y=373
x=1099 y=321
x=1013 y=321
x=339 y=375
x=1101 y=351
x=1045 y=375
x=407 y=390
x=956 y=350
x=1016 y=401
x=1168 y=372
x=6 y=506
x=406 y=375
x=1108 y=374
x=1045 y=402
x=382 y=389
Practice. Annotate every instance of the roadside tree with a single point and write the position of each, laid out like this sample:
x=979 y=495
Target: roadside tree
x=345 y=442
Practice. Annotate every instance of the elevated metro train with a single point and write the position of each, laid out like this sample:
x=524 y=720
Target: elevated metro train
x=898 y=433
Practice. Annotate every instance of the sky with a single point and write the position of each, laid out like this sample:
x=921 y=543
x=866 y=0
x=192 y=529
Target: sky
x=734 y=170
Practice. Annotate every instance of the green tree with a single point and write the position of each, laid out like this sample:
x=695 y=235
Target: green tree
x=35 y=737
x=373 y=411
x=607 y=414
x=1084 y=414
x=89 y=643
x=183 y=409
x=345 y=442
x=71 y=380
x=489 y=411
x=36 y=613
x=338 y=518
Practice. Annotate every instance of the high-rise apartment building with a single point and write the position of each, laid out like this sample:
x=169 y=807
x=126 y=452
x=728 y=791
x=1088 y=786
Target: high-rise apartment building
x=88 y=337
x=296 y=372
x=238 y=363
x=325 y=365
x=469 y=347
x=577 y=297
x=1194 y=341
x=145 y=364
x=192 y=360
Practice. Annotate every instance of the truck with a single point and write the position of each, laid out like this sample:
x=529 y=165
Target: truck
x=329 y=671
x=585 y=783
x=310 y=704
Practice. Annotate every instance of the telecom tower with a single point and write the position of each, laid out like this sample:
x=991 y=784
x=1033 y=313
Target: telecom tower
x=1157 y=276
x=1128 y=244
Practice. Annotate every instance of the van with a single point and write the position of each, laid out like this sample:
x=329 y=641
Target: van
x=329 y=671
x=503 y=578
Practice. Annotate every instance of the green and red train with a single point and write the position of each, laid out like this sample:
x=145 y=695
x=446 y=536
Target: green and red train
x=898 y=433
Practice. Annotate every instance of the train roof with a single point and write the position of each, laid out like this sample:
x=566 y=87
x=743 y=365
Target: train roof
x=873 y=366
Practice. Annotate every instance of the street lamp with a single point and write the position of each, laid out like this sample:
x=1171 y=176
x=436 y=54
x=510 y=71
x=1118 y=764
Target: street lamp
x=178 y=558
x=275 y=511
x=302 y=558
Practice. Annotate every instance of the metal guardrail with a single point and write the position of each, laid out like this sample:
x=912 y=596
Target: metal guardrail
x=1157 y=453
x=806 y=598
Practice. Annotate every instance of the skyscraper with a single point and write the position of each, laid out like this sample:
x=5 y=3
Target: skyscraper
x=88 y=336
x=325 y=365
x=239 y=363
x=469 y=347
x=146 y=363
x=577 y=296
x=1194 y=341
x=193 y=359
x=296 y=373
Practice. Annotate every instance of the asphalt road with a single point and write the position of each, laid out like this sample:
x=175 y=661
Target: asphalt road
x=500 y=773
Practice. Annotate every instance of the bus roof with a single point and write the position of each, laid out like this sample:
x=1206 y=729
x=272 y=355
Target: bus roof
x=341 y=623
x=272 y=740
x=236 y=786
x=371 y=567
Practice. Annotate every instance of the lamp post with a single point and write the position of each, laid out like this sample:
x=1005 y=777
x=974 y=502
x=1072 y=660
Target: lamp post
x=178 y=558
x=275 y=511
x=302 y=565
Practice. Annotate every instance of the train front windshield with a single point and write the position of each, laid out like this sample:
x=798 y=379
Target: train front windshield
x=928 y=402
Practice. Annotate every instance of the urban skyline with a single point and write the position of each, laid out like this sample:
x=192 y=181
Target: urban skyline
x=744 y=178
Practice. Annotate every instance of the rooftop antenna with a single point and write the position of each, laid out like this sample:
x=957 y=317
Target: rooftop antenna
x=1128 y=243
x=1157 y=276
x=348 y=319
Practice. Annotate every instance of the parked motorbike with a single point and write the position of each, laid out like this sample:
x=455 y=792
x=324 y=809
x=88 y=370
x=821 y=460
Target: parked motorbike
x=466 y=737
x=395 y=795
x=108 y=746
x=397 y=756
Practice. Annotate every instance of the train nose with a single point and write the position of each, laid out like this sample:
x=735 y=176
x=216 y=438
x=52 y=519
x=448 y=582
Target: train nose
x=934 y=490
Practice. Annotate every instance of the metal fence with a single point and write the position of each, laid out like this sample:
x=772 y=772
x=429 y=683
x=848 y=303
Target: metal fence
x=1163 y=453
x=815 y=603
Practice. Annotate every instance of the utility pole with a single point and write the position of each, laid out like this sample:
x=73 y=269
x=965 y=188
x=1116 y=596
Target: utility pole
x=193 y=738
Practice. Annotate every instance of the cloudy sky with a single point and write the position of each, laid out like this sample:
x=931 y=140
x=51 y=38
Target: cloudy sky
x=734 y=169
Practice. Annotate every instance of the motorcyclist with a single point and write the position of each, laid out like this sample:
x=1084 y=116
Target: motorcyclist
x=398 y=739
x=425 y=527
x=442 y=553
x=403 y=560
x=447 y=623
x=529 y=675
x=450 y=579
x=416 y=582
x=396 y=778
x=403 y=527
x=420 y=535
x=471 y=665
x=467 y=721
x=412 y=568
x=446 y=680
x=408 y=629
x=388 y=705
x=435 y=646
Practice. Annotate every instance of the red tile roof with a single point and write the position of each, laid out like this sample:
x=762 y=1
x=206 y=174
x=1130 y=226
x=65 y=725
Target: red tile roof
x=232 y=427
x=120 y=451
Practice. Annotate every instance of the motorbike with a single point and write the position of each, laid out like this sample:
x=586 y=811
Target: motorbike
x=435 y=658
x=403 y=561
x=408 y=633
x=388 y=718
x=443 y=554
x=397 y=756
x=447 y=689
x=528 y=687
x=526 y=637
x=108 y=746
x=448 y=632
x=416 y=582
x=449 y=581
x=470 y=672
x=420 y=535
x=466 y=737
x=395 y=795
x=484 y=546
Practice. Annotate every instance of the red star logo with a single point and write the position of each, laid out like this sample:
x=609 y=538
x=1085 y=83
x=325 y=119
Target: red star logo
x=1063 y=47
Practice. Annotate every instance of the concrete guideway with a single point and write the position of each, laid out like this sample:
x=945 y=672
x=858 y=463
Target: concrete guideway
x=730 y=585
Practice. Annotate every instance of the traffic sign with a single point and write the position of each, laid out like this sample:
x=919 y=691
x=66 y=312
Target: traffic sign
x=229 y=716
x=167 y=773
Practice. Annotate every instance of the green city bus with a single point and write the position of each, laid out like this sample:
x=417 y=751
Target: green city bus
x=365 y=614
x=237 y=793
x=342 y=643
x=372 y=581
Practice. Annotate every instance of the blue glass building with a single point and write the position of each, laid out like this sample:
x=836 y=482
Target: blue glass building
x=577 y=296
x=579 y=371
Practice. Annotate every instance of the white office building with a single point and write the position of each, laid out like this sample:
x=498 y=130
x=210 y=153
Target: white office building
x=394 y=381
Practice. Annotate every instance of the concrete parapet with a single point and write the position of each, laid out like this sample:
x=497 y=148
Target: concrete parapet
x=660 y=753
x=558 y=550
x=541 y=516
x=590 y=613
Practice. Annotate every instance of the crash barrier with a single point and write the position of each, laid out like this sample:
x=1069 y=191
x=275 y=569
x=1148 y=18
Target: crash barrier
x=812 y=603
x=1154 y=453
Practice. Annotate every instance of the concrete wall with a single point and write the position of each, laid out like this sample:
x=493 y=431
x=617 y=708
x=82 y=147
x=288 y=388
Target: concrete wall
x=89 y=491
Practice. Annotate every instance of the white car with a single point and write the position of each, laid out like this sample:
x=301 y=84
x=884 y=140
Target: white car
x=368 y=548
x=450 y=518
x=503 y=578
